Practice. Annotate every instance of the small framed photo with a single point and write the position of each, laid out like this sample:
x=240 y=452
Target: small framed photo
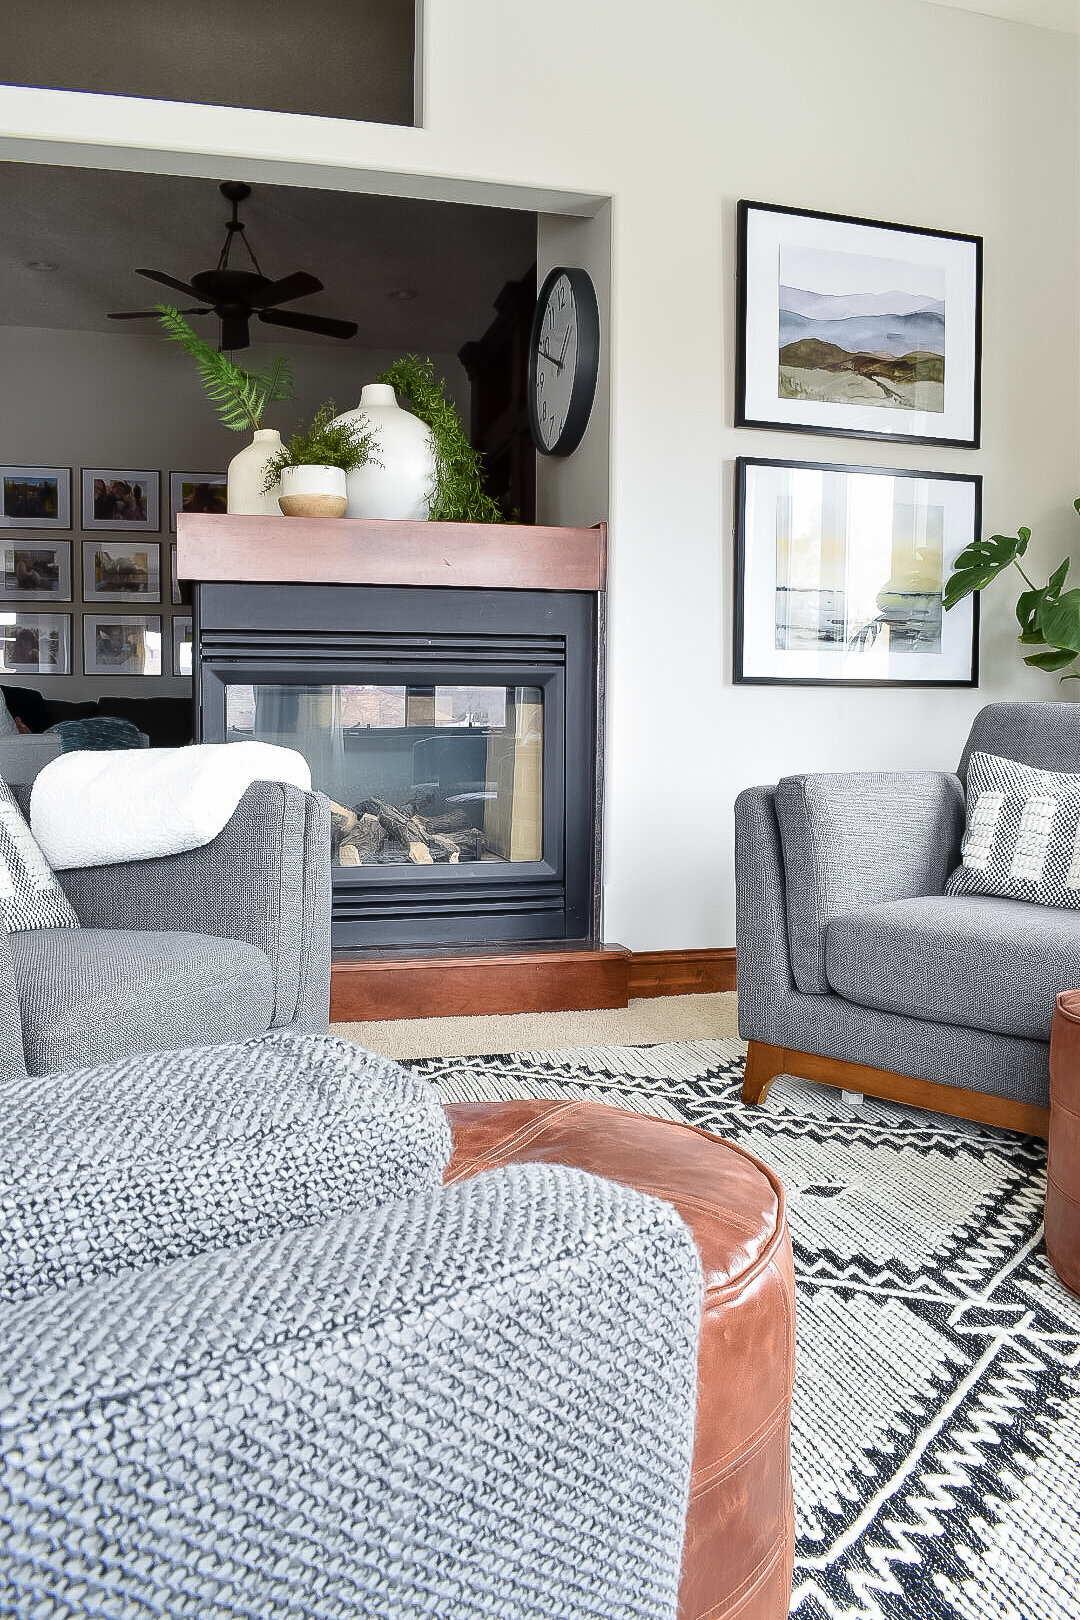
x=121 y=571
x=122 y=644
x=35 y=571
x=855 y=326
x=839 y=573
x=35 y=643
x=113 y=499
x=196 y=492
x=35 y=497
x=181 y=588
x=182 y=645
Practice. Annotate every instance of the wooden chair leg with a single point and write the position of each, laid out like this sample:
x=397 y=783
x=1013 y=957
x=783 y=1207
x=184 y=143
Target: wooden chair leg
x=763 y=1064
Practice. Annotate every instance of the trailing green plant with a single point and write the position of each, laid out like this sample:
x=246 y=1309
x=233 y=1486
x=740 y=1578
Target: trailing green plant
x=1046 y=617
x=240 y=396
x=325 y=443
x=458 y=495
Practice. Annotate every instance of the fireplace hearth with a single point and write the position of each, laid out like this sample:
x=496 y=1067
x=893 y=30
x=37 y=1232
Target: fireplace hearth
x=454 y=729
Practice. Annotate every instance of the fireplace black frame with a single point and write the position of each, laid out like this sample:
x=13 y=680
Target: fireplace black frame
x=285 y=633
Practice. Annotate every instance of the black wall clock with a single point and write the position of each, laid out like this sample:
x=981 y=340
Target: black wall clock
x=564 y=361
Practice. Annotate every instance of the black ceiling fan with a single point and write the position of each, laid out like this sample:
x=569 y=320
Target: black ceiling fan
x=235 y=295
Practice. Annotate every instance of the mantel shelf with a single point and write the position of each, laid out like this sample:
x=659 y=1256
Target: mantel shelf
x=361 y=551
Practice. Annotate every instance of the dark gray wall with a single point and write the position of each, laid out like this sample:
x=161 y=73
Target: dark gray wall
x=337 y=58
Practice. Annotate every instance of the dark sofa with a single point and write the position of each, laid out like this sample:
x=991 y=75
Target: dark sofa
x=169 y=722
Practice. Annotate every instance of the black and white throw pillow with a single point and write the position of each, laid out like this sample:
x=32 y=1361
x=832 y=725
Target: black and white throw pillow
x=1023 y=834
x=30 y=896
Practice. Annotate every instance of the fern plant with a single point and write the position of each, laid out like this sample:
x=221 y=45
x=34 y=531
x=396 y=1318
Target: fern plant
x=240 y=396
x=325 y=443
x=458 y=495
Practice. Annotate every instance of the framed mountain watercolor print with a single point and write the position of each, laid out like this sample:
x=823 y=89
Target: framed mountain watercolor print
x=839 y=574
x=854 y=326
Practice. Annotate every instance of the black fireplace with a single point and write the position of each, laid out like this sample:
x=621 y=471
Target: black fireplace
x=455 y=732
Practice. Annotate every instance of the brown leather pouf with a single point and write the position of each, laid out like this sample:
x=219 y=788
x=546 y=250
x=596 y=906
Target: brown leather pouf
x=1063 y=1164
x=740 y=1534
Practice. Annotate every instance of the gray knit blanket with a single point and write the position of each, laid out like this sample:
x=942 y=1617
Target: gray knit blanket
x=319 y=1383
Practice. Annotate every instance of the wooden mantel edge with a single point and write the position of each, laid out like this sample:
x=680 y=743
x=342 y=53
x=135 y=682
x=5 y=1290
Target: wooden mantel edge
x=212 y=548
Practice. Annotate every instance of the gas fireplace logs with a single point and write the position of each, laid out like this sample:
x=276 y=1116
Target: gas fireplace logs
x=376 y=833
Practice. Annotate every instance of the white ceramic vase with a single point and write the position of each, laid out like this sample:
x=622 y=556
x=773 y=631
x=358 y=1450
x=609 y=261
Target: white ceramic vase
x=247 y=470
x=313 y=491
x=402 y=486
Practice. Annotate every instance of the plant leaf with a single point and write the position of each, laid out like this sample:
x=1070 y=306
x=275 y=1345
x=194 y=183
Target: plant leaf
x=240 y=396
x=982 y=562
x=1057 y=578
x=1057 y=658
x=1028 y=604
x=1059 y=622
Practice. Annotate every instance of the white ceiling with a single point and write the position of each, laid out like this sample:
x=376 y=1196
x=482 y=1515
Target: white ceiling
x=98 y=225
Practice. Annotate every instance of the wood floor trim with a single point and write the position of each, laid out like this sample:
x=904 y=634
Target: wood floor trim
x=542 y=978
x=681 y=973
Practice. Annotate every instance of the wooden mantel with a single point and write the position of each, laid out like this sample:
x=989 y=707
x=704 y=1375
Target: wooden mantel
x=363 y=551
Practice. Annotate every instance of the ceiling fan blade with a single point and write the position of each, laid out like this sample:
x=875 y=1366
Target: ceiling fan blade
x=298 y=285
x=143 y=314
x=310 y=323
x=170 y=281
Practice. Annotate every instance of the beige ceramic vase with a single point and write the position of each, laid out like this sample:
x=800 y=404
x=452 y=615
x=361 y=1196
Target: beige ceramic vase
x=247 y=473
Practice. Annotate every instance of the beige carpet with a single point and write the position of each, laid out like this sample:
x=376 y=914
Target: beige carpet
x=643 y=1023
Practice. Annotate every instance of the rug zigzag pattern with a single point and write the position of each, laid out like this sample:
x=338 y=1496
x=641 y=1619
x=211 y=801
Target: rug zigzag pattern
x=936 y=1423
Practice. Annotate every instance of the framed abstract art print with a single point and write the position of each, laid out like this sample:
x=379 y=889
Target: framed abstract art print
x=854 y=326
x=839 y=573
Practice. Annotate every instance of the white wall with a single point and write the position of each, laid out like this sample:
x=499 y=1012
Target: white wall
x=123 y=400
x=899 y=110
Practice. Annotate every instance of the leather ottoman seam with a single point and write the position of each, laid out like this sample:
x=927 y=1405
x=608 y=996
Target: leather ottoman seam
x=725 y=1467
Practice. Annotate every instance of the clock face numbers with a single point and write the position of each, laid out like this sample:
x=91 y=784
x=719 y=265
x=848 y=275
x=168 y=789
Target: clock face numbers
x=556 y=362
x=564 y=361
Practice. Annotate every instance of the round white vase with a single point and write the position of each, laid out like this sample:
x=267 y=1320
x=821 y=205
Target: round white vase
x=313 y=491
x=247 y=471
x=402 y=486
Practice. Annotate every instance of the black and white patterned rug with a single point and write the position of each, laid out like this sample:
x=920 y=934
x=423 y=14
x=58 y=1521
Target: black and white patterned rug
x=936 y=1422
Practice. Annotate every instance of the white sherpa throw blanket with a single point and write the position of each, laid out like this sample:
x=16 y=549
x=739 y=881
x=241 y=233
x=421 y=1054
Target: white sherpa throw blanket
x=91 y=809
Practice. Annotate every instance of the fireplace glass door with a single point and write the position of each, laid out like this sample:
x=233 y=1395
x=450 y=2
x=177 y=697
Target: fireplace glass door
x=418 y=775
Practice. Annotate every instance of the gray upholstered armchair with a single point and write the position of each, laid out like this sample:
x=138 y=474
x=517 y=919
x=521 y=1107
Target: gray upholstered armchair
x=256 y=1360
x=219 y=944
x=856 y=969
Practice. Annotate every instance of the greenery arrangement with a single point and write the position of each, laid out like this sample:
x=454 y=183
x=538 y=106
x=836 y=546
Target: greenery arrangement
x=241 y=397
x=325 y=443
x=1046 y=617
x=458 y=496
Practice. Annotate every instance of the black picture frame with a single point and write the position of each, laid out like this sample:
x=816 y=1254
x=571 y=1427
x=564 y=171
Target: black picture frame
x=798 y=643
x=899 y=293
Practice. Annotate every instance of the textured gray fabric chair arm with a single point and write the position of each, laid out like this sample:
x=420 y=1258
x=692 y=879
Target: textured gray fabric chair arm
x=21 y=758
x=12 y=1055
x=857 y=839
x=764 y=965
x=264 y=879
x=478 y=1401
x=158 y=1156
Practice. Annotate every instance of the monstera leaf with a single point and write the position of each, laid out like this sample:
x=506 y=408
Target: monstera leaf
x=1059 y=621
x=1046 y=617
x=981 y=562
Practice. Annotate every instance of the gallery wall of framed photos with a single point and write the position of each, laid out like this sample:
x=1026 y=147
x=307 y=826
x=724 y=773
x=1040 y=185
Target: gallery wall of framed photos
x=860 y=329
x=88 y=582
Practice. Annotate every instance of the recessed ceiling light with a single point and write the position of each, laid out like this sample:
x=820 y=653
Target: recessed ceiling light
x=401 y=295
x=42 y=264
